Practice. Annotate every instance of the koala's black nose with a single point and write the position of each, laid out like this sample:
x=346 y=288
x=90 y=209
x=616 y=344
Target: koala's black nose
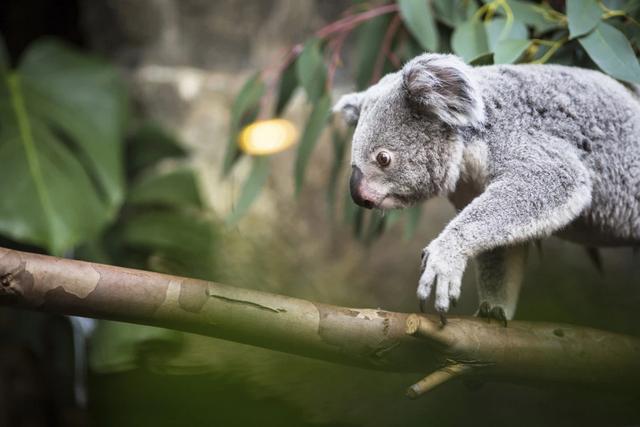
x=354 y=187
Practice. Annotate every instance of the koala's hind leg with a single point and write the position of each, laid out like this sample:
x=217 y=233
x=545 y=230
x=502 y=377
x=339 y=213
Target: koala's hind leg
x=500 y=273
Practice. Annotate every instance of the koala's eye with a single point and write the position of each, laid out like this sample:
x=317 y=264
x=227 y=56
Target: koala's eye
x=383 y=158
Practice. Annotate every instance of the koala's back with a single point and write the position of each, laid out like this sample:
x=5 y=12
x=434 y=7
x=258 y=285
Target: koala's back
x=595 y=115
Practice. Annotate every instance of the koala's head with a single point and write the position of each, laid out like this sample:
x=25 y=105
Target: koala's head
x=405 y=145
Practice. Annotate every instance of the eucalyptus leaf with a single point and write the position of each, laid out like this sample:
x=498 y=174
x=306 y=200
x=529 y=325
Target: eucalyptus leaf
x=612 y=52
x=248 y=97
x=499 y=29
x=251 y=190
x=418 y=18
x=369 y=37
x=311 y=70
x=454 y=12
x=312 y=131
x=509 y=51
x=484 y=59
x=288 y=85
x=375 y=226
x=583 y=16
x=62 y=119
x=339 y=142
x=469 y=40
x=532 y=14
x=412 y=220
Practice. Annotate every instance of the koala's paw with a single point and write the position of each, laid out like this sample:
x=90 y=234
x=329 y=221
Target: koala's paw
x=489 y=312
x=442 y=269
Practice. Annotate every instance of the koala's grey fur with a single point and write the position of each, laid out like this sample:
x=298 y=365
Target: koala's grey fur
x=523 y=152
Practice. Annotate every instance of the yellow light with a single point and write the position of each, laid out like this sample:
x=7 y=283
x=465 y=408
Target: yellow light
x=266 y=137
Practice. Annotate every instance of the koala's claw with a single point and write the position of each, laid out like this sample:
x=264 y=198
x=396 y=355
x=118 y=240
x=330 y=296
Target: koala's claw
x=443 y=319
x=442 y=270
x=486 y=311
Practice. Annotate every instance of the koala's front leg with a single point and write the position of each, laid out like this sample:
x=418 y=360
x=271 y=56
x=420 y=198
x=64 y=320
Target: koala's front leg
x=540 y=190
x=500 y=273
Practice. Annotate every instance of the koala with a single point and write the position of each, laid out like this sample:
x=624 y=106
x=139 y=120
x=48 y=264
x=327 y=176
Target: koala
x=522 y=151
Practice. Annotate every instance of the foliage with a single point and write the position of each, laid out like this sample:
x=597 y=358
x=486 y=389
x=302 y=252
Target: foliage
x=71 y=180
x=602 y=34
x=62 y=120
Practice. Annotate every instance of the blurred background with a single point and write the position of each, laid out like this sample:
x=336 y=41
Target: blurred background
x=133 y=109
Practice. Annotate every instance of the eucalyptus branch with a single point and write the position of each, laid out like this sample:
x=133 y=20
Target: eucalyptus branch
x=371 y=338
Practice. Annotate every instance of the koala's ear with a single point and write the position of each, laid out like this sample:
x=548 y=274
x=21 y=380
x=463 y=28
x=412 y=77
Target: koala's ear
x=349 y=105
x=444 y=85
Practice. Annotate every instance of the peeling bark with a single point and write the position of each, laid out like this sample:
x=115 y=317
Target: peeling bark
x=378 y=339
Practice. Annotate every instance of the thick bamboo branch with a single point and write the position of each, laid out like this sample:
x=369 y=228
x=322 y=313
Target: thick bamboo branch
x=369 y=338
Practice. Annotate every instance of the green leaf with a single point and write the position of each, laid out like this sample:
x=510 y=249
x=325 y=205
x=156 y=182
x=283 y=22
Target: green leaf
x=62 y=118
x=454 y=12
x=418 y=17
x=369 y=37
x=150 y=144
x=247 y=98
x=175 y=241
x=312 y=131
x=583 y=16
x=375 y=226
x=176 y=187
x=484 y=59
x=469 y=40
x=251 y=189
x=497 y=29
x=612 y=52
x=532 y=14
x=68 y=90
x=509 y=51
x=288 y=85
x=311 y=70
x=412 y=221
x=119 y=347
x=339 y=150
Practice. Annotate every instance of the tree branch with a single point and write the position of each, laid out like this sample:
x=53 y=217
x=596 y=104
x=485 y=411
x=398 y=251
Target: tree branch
x=371 y=338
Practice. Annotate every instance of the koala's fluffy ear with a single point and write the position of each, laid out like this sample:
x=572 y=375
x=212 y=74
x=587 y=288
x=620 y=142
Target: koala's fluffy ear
x=349 y=105
x=444 y=85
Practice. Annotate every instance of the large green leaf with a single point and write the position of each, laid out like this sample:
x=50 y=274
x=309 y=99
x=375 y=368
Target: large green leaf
x=612 y=52
x=418 y=17
x=62 y=118
x=312 y=131
x=251 y=190
x=469 y=40
x=583 y=16
x=311 y=70
x=369 y=37
x=245 y=102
